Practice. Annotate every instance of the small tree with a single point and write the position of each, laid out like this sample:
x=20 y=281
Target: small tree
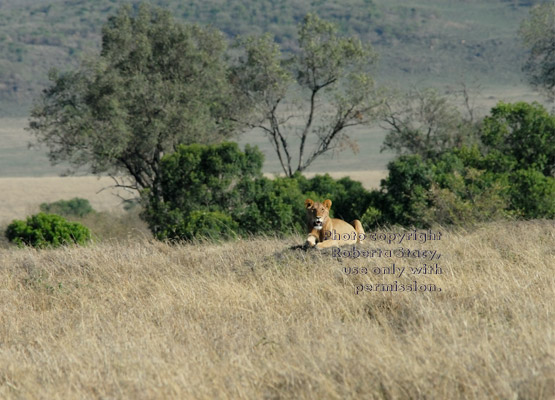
x=538 y=35
x=533 y=194
x=406 y=191
x=423 y=122
x=154 y=85
x=329 y=73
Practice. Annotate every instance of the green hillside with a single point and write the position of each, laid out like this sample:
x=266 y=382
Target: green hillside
x=427 y=41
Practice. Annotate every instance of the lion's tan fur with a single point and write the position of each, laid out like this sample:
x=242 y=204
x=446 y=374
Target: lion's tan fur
x=324 y=231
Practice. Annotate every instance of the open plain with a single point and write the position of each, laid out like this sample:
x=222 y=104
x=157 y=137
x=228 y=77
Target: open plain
x=256 y=319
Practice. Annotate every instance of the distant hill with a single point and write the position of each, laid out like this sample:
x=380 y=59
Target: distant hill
x=434 y=41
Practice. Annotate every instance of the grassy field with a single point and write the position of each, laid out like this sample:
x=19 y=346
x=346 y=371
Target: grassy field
x=23 y=196
x=255 y=319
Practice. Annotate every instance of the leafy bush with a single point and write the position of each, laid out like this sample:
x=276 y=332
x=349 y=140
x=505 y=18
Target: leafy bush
x=350 y=199
x=46 y=230
x=205 y=178
x=207 y=224
x=450 y=207
x=522 y=133
x=271 y=207
x=405 y=192
x=75 y=207
x=219 y=191
x=532 y=194
x=463 y=193
x=371 y=217
x=511 y=175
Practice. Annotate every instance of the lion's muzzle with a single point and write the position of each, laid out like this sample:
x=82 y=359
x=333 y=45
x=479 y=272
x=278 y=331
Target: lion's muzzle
x=318 y=223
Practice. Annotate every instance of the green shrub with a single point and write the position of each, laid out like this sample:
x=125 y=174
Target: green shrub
x=218 y=191
x=405 y=196
x=271 y=207
x=75 y=207
x=203 y=178
x=46 y=230
x=371 y=217
x=523 y=134
x=350 y=199
x=511 y=174
x=451 y=208
x=464 y=192
x=532 y=194
x=207 y=224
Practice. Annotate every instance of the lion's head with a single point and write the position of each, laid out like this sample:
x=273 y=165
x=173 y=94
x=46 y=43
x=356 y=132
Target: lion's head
x=317 y=213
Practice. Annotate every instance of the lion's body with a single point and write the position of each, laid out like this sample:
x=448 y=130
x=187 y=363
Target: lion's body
x=329 y=232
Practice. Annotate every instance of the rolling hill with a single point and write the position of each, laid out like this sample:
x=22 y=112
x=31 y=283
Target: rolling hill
x=429 y=42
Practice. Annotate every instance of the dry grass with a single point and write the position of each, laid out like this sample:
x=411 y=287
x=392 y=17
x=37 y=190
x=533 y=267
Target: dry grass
x=255 y=319
x=22 y=196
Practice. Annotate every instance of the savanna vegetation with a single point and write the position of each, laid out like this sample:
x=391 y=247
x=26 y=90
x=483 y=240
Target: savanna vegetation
x=76 y=207
x=251 y=319
x=131 y=110
x=211 y=296
x=47 y=230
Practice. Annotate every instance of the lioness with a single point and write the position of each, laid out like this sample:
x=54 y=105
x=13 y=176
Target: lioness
x=328 y=231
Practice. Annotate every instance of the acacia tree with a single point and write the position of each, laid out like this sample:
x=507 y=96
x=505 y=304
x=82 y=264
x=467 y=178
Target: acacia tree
x=154 y=85
x=305 y=103
x=538 y=34
x=423 y=122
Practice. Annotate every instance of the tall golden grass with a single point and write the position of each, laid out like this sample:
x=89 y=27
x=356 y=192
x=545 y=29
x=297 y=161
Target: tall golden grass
x=256 y=319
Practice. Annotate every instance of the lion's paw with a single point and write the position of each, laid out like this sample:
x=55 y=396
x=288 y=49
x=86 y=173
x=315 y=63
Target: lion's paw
x=310 y=241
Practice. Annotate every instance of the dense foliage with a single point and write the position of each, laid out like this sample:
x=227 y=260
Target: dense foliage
x=510 y=175
x=155 y=84
x=520 y=136
x=75 y=207
x=46 y=230
x=199 y=178
x=219 y=191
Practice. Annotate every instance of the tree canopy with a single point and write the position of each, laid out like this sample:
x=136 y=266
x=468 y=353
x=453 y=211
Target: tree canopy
x=425 y=123
x=313 y=95
x=538 y=34
x=155 y=84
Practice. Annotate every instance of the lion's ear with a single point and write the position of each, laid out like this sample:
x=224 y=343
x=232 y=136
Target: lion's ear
x=327 y=203
x=308 y=203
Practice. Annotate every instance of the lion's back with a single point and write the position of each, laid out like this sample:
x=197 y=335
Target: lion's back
x=341 y=226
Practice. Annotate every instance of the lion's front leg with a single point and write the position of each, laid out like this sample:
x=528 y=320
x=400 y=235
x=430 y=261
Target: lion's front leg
x=311 y=241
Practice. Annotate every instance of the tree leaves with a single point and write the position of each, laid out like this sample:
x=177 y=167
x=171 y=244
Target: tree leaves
x=155 y=84
x=326 y=84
